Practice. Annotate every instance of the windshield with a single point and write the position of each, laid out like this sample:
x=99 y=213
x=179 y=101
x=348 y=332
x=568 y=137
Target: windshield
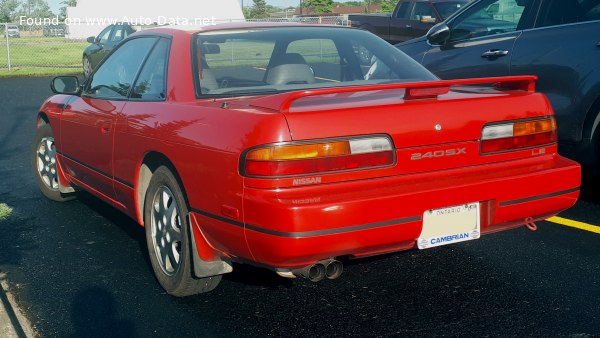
x=275 y=59
x=445 y=9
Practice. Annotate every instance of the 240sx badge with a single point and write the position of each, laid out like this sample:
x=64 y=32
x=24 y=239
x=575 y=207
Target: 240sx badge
x=438 y=153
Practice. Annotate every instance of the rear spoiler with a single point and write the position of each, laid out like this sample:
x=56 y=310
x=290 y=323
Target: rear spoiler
x=413 y=90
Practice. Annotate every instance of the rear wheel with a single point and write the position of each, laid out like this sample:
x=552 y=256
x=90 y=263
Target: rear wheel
x=43 y=161
x=168 y=238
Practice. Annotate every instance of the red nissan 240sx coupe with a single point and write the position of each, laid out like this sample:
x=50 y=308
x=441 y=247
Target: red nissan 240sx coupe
x=294 y=147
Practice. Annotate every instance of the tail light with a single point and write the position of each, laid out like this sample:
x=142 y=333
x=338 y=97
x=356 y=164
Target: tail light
x=295 y=158
x=518 y=135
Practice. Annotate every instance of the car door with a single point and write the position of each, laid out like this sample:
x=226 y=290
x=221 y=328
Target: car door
x=481 y=40
x=147 y=95
x=87 y=127
x=563 y=51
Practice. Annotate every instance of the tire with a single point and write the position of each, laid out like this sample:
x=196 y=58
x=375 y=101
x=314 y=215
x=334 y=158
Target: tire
x=43 y=161
x=87 y=66
x=167 y=237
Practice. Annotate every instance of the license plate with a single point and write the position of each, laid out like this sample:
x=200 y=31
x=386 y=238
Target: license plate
x=449 y=225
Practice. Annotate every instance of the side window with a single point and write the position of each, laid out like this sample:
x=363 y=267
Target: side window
x=404 y=10
x=319 y=54
x=118 y=35
x=422 y=11
x=556 y=12
x=151 y=83
x=489 y=18
x=104 y=35
x=127 y=32
x=114 y=78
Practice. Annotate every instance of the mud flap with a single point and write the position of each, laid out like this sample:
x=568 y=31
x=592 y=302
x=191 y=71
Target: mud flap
x=201 y=267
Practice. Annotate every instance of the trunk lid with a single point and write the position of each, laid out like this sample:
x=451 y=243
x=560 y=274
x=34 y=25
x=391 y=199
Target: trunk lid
x=434 y=125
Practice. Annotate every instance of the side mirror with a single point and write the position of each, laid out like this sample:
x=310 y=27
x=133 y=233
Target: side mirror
x=91 y=39
x=68 y=85
x=438 y=34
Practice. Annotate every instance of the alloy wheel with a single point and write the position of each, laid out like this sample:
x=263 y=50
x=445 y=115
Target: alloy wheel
x=166 y=230
x=46 y=162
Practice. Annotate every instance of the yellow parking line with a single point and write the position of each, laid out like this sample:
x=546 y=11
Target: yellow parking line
x=326 y=79
x=575 y=224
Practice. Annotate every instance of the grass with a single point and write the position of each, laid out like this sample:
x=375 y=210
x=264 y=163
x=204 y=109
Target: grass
x=5 y=211
x=41 y=56
x=35 y=72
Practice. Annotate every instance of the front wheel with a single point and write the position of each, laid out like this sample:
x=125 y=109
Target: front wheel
x=43 y=161
x=168 y=239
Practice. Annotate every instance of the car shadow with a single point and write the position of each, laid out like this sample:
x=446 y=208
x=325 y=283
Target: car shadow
x=130 y=227
x=242 y=273
x=94 y=314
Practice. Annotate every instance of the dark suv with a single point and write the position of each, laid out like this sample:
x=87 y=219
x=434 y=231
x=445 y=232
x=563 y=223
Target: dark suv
x=557 y=40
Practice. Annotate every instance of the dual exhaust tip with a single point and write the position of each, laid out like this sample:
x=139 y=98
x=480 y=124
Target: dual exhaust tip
x=329 y=268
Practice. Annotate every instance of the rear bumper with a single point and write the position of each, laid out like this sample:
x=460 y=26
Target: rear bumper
x=290 y=228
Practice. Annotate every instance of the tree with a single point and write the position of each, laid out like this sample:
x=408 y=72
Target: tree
x=8 y=10
x=35 y=9
x=63 y=9
x=319 y=6
x=351 y=4
x=388 y=5
x=259 y=10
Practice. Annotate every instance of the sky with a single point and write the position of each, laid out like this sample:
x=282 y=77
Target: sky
x=55 y=4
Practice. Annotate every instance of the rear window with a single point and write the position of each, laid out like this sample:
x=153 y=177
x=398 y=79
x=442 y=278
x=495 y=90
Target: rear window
x=276 y=59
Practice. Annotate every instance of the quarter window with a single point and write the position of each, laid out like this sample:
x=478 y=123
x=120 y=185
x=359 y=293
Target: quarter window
x=114 y=77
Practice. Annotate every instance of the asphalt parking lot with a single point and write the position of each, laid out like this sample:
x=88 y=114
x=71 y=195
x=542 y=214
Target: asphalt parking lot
x=80 y=269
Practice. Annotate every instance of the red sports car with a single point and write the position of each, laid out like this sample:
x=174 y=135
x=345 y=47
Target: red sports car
x=295 y=148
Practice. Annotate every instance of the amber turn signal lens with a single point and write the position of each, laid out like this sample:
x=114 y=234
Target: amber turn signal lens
x=292 y=152
x=534 y=127
x=289 y=159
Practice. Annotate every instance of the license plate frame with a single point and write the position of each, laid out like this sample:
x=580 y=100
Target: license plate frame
x=450 y=225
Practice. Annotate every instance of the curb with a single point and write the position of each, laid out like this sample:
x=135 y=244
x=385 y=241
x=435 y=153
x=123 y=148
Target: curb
x=12 y=322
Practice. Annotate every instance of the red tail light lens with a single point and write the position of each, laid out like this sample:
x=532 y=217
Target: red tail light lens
x=518 y=135
x=291 y=159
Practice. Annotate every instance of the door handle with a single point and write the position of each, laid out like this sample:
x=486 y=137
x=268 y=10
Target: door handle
x=105 y=127
x=408 y=26
x=494 y=53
